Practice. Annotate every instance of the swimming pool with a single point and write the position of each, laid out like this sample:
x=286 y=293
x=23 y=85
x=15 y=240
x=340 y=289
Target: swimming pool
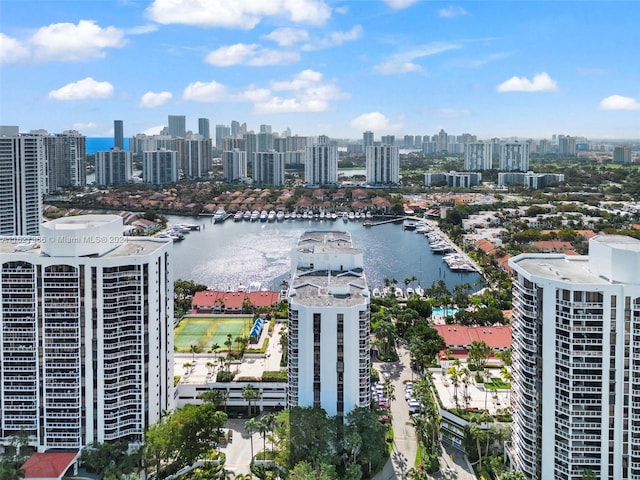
x=444 y=312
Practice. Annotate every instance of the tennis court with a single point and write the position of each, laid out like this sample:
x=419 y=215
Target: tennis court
x=209 y=331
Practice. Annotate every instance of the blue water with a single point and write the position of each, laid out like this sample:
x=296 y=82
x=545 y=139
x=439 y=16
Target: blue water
x=102 y=144
x=444 y=312
x=230 y=254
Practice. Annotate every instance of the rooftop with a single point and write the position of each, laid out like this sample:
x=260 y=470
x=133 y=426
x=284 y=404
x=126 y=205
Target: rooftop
x=48 y=465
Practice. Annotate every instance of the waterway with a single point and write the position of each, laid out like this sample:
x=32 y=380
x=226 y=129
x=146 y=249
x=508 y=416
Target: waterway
x=226 y=255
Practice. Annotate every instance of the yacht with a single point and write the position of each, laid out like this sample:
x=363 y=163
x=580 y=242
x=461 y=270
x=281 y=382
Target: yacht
x=238 y=216
x=280 y=216
x=220 y=215
x=246 y=216
x=345 y=217
x=419 y=291
x=398 y=293
x=376 y=292
x=254 y=216
x=271 y=216
x=287 y=216
x=264 y=216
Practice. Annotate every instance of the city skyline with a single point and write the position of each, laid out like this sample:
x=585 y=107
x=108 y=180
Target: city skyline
x=527 y=69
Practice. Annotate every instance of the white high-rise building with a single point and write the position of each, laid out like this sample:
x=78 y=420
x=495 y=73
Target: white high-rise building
x=329 y=326
x=114 y=167
x=22 y=182
x=268 y=168
x=514 y=156
x=478 y=156
x=576 y=362
x=197 y=156
x=160 y=167
x=321 y=164
x=87 y=334
x=234 y=165
x=383 y=165
x=66 y=160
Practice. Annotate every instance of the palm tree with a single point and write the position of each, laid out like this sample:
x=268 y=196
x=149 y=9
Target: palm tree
x=252 y=425
x=229 y=342
x=249 y=394
x=506 y=376
x=214 y=348
x=193 y=348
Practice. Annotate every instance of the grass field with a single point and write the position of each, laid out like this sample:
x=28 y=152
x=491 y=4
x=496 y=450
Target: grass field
x=206 y=332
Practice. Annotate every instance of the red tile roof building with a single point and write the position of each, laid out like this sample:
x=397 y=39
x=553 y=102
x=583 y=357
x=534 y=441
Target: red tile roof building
x=48 y=466
x=213 y=301
x=459 y=338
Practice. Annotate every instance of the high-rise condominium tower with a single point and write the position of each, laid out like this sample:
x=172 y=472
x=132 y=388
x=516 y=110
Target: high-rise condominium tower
x=118 y=134
x=576 y=363
x=114 y=167
x=328 y=354
x=177 y=125
x=234 y=165
x=160 y=167
x=22 y=166
x=383 y=165
x=203 y=128
x=514 y=156
x=321 y=163
x=477 y=156
x=268 y=168
x=66 y=155
x=87 y=334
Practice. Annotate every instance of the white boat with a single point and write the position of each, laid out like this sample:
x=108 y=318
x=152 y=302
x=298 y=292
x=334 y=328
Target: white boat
x=334 y=216
x=271 y=216
x=376 y=292
x=368 y=215
x=345 y=217
x=398 y=292
x=352 y=216
x=220 y=215
x=410 y=292
x=238 y=216
x=246 y=216
x=287 y=216
x=254 y=287
x=254 y=216
x=419 y=291
x=263 y=216
x=280 y=216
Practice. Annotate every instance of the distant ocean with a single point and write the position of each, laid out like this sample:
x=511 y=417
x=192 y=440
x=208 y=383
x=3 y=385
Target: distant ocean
x=102 y=144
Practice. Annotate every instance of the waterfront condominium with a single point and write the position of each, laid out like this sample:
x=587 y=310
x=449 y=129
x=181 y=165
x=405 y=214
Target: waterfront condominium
x=113 y=167
x=234 y=165
x=576 y=363
x=22 y=182
x=177 y=125
x=87 y=334
x=160 y=167
x=268 y=168
x=328 y=354
x=478 y=156
x=383 y=165
x=514 y=156
x=321 y=163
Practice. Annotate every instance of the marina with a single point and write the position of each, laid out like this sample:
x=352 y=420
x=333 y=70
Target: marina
x=233 y=253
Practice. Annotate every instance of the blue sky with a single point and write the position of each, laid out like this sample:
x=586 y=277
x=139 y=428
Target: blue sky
x=494 y=69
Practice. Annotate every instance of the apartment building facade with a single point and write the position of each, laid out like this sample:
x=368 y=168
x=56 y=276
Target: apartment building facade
x=86 y=345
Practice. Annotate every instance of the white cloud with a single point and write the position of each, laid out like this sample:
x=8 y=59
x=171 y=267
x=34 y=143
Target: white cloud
x=155 y=99
x=391 y=67
x=285 y=37
x=403 y=62
x=12 y=50
x=69 y=42
x=452 y=11
x=618 y=102
x=84 y=126
x=307 y=94
x=82 y=90
x=217 y=92
x=142 y=29
x=479 y=62
x=154 y=130
x=244 y=14
x=335 y=39
x=304 y=79
x=374 y=121
x=250 y=54
x=399 y=4
x=541 y=82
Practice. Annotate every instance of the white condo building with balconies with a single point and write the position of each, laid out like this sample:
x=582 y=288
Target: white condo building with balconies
x=576 y=362
x=329 y=327
x=383 y=165
x=86 y=344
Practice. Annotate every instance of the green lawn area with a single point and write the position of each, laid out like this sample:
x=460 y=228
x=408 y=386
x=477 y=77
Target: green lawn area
x=498 y=383
x=209 y=331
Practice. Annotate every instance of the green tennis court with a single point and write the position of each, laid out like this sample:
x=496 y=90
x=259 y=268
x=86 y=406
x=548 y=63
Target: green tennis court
x=209 y=331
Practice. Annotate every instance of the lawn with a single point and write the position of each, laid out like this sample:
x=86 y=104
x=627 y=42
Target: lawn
x=206 y=332
x=498 y=383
